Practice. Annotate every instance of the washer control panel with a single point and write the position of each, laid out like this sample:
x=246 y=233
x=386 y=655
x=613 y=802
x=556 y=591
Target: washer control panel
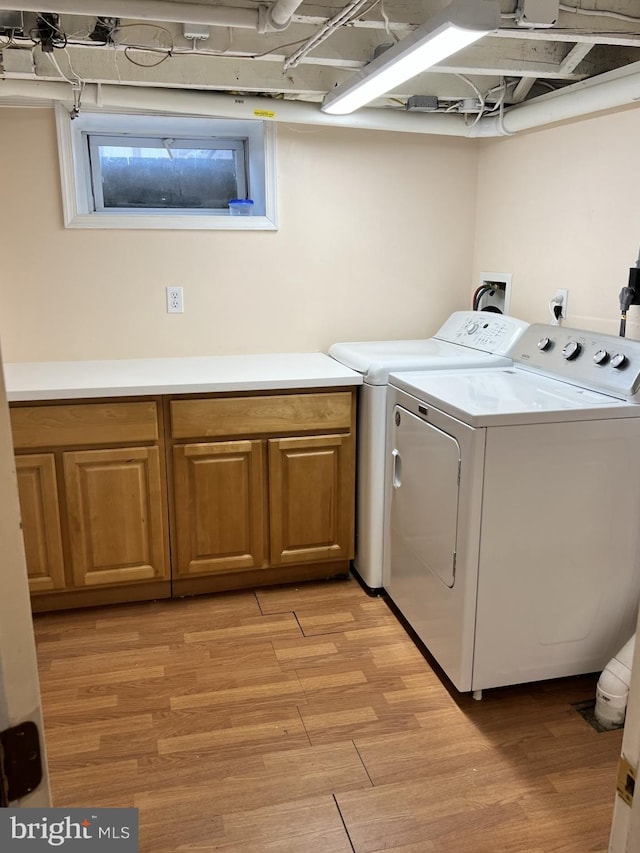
x=482 y=330
x=600 y=362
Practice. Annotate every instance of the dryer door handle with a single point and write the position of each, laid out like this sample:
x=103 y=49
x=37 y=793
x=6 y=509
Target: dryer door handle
x=397 y=469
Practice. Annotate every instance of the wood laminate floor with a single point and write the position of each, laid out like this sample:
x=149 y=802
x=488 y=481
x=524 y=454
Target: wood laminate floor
x=303 y=719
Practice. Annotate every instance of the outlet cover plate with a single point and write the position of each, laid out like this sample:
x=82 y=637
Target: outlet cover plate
x=175 y=300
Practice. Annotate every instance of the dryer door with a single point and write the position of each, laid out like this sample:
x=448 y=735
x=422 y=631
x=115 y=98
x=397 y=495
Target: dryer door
x=424 y=503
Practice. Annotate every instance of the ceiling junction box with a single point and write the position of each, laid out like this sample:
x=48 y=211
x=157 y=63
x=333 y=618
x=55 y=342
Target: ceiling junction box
x=193 y=32
x=11 y=21
x=537 y=13
x=422 y=103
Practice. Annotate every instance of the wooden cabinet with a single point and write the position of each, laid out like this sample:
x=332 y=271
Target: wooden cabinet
x=310 y=495
x=220 y=514
x=94 y=517
x=115 y=513
x=41 y=525
x=249 y=489
x=272 y=499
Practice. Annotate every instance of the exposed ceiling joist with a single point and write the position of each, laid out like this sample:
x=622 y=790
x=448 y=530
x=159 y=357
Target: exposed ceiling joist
x=522 y=89
x=575 y=57
x=622 y=39
x=243 y=48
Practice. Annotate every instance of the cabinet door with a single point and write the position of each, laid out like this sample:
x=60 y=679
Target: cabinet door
x=311 y=498
x=116 y=515
x=219 y=507
x=41 y=521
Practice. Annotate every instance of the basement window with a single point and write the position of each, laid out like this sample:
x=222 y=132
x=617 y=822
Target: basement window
x=147 y=173
x=171 y=172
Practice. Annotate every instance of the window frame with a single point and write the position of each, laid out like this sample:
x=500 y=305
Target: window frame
x=75 y=169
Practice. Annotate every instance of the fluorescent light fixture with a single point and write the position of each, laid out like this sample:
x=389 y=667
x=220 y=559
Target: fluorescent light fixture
x=459 y=25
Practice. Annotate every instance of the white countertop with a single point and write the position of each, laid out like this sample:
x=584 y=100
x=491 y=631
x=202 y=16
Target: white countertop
x=62 y=380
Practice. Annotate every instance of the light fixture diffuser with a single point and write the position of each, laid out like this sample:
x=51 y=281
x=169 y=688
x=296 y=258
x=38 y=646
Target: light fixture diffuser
x=457 y=26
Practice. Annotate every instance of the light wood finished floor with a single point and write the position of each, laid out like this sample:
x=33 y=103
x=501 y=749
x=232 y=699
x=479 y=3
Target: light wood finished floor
x=304 y=720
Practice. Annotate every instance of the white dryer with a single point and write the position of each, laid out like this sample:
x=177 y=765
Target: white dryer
x=467 y=339
x=514 y=509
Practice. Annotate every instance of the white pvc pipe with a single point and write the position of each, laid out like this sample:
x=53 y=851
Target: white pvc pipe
x=214 y=104
x=612 y=89
x=145 y=10
x=282 y=11
x=606 y=91
x=612 y=692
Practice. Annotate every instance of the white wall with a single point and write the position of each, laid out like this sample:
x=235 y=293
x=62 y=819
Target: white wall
x=560 y=208
x=376 y=240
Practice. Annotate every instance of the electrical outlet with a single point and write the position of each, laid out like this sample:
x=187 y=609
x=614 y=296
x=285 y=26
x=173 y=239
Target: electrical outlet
x=562 y=299
x=175 y=300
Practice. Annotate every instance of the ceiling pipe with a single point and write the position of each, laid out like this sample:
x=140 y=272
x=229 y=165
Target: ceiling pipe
x=607 y=91
x=280 y=13
x=150 y=10
x=115 y=97
x=613 y=89
x=277 y=17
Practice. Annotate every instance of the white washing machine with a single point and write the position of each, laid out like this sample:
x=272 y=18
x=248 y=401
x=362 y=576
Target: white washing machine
x=467 y=339
x=514 y=509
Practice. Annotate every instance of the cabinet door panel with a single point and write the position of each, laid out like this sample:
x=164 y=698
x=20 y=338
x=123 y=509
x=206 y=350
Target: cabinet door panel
x=219 y=507
x=116 y=515
x=311 y=498
x=41 y=521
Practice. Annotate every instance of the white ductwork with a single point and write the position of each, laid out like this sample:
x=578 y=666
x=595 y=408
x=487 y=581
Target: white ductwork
x=213 y=104
x=148 y=10
x=280 y=14
x=276 y=17
x=607 y=91
x=612 y=692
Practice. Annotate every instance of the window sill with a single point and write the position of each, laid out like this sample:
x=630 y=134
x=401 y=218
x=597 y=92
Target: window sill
x=224 y=222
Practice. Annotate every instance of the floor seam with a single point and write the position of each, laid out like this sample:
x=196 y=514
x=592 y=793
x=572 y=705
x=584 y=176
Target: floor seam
x=303 y=725
x=295 y=616
x=363 y=764
x=335 y=800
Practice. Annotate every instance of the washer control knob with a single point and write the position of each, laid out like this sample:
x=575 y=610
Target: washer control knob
x=619 y=360
x=544 y=344
x=472 y=327
x=601 y=357
x=572 y=350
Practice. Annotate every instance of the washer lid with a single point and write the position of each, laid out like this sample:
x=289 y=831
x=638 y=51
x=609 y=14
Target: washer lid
x=505 y=396
x=376 y=359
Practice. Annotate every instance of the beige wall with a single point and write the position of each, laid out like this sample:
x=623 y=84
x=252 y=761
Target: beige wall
x=376 y=240
x=560 y=208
